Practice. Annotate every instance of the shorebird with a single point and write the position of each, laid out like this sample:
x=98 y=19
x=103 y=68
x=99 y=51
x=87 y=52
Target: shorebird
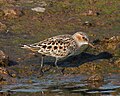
x=60 y=46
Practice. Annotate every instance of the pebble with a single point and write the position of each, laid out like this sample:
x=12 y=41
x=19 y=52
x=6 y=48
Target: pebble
x=3 y=27
x=4 y=59
x=13 y=12
x=38 y=9
x=91 y=13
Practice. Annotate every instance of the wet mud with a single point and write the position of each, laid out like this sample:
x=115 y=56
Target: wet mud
x=94 y=72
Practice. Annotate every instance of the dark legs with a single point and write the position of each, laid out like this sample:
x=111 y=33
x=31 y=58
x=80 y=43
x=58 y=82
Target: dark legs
x=41 y=64
x=56 y=60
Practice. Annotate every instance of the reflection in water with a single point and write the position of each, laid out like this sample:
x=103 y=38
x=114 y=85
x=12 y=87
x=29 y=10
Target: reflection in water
x=62 y=86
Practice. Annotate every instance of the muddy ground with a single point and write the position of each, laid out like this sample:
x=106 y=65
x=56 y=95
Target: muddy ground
x=21 y=24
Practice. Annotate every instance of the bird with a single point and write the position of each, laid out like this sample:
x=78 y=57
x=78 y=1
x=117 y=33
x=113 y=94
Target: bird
x=60 y=46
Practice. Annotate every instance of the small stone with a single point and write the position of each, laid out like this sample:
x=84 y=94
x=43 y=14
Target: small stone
x=1 y=78
x=42 y=3
x=13 y=75
x=1 y=13
x=38 y=9
x=91 y=13
x=87 y=23
x=112 y=43
x=8 y=1
x=114 y=38
x=12 y=12
x=117 y=62
x=3 y=1
x=3 y=70
x=30 y=81
x=4 y=59
x=96 y=77
x=3 y=27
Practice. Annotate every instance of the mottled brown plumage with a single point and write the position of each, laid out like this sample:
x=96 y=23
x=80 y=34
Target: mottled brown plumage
x=59 y=46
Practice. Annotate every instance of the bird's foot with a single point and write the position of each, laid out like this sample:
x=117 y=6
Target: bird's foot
x=40 y=73
x=59 y=70
x=62 y=71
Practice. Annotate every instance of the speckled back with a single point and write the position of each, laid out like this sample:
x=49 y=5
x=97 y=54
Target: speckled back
x=58 y=46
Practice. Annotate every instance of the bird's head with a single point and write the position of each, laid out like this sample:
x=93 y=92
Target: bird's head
x=81 y=39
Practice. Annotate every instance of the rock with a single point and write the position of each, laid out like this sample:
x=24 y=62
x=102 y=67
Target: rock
x=42 y=3
x=1 y=78
x=112 y=43
x=96 y=77
x=3 y=27
x=6 y=77
x=4 y=59
x=1 y=13
x=3 y=70
x=12 y=73
x=7 y=1
x=117 y=62
x=91 y=13
x=12 y=12
x=3 y=1
x=38 y=9
x=115 y=39
x=87 y=23
x=92 y=1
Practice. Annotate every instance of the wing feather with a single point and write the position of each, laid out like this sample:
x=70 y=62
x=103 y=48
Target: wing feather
x=58 y=46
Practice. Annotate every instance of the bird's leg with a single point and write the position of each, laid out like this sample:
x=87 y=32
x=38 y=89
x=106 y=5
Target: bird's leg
x=41 y=64
x=56 y=60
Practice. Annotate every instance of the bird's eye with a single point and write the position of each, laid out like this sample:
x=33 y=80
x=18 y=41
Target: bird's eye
x=85 y=39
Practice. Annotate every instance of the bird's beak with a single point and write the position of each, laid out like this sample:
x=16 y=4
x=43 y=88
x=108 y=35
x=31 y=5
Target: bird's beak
x=91 y=45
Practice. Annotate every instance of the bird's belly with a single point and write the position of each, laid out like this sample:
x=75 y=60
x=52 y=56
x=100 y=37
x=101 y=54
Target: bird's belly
x=55 y=53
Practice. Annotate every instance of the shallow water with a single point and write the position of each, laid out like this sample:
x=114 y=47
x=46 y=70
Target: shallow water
x=56 y=84
x=59 y=85
x=30 y=28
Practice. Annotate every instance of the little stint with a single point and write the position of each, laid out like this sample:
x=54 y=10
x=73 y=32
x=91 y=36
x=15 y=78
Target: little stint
x=60 y=46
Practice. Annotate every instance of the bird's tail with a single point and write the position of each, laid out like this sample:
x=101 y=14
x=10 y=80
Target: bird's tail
x=25 y=47
x=34 y=49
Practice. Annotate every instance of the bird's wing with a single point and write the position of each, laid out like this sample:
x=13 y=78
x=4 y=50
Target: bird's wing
x=58 y=46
